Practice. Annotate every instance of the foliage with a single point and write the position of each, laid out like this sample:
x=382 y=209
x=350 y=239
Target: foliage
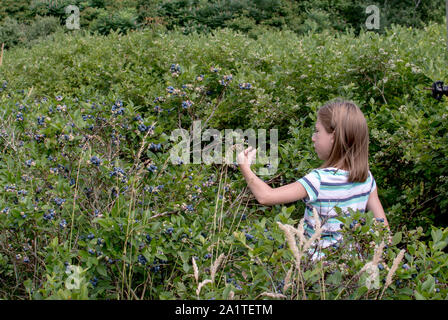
x=246 y=16
x=91 y=207
x=13 y=33
x=123 y=21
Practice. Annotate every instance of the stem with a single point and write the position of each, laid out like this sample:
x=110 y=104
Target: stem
x=74 y=202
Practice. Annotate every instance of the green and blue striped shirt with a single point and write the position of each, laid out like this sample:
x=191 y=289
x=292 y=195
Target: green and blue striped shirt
x=328 y=188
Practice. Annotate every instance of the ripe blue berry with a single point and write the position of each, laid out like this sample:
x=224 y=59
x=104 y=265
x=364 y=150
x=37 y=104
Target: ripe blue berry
x=95 y=161
x=249 y=236
x=142 y=259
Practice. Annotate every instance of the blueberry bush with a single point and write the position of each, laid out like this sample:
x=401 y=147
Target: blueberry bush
x=91 y=207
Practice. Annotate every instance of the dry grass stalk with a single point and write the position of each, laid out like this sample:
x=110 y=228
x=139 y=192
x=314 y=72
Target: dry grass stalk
x=301 y=231
x=392 y=270
x=376 y=259
x=273 y=295
x=395 y=264
x=289 y=234
x=317 y=231
x=215 y=266
x=1 y=55
x=288 y=282
x=203 y=283
x=371 y=268
x=195 y=270
x=304 y=244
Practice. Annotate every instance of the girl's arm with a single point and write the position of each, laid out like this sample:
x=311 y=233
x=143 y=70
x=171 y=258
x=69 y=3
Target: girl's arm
x=264 y=194
x=374 y=205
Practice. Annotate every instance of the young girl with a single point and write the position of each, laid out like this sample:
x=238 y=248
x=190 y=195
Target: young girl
x=341 y=140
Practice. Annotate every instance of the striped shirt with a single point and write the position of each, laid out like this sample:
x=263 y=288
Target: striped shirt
x=328 y=188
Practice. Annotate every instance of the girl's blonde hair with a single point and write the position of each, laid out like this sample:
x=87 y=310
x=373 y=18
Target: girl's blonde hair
x=350 y=150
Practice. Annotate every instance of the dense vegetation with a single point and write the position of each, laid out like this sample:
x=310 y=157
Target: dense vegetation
x=23 y=21
x=91 y=206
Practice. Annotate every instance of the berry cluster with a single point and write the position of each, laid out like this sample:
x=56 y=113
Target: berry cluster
x=225 y=80
x=245 y=86
x=187 y=104
x=155 y=147
x=30 y=162
x=95 y=161
x=117 y=108
x=175 y=70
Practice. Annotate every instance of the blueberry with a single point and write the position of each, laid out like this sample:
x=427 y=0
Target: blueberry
x=41 y=120
x=142 y=128
x=187 y=104
x=59 y=201
x=142 y=259
x=49 y=215
x=95 y=161
x=94 y=281
x=245 y=86
x=152 y=168
x=63 y=224
x=155 y=146
x=155 y=268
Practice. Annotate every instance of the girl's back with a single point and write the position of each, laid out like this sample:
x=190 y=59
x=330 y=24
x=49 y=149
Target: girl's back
x=328 y=188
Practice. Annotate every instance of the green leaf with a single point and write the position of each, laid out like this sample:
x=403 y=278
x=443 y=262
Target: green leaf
x=411 y=249
x=186 y=267
x=429 y=284
x=436 y=235
x=418 y=295
x=101 y=269
x=161 y=256
x=396 y=239
x=439 y=246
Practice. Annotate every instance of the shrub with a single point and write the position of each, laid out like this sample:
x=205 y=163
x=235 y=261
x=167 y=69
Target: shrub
x=11 y=32
x=121 y=21
x=41 y=27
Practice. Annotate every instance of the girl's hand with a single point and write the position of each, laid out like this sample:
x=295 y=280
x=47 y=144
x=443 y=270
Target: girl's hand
x=247 y=157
